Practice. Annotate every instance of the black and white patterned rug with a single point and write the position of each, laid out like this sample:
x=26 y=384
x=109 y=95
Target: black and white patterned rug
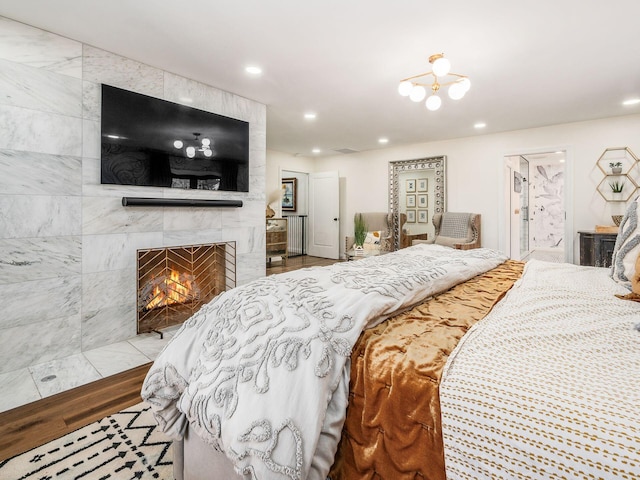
x=125 y=446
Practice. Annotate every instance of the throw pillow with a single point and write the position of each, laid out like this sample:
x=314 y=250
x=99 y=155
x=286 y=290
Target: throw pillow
x=627 y=247
x=372 y=240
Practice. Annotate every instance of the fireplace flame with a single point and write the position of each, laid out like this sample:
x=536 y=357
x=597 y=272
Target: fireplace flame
x=176 y=288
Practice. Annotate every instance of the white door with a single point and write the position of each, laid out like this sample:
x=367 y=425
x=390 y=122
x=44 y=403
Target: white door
x=324 y=208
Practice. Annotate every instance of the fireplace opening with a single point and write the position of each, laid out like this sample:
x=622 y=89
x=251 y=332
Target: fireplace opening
x=174 y=282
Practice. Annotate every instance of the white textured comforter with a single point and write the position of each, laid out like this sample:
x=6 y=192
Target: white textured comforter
x=547 y=386
x=255 y=371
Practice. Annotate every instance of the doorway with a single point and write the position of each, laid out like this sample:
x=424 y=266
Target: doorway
x=537 y=217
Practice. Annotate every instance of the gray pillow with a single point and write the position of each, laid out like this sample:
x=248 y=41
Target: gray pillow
x=627 y=247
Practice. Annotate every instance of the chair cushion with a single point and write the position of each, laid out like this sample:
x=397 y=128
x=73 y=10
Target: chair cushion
x=447 y=241
x=456 y=225
x=627 y=248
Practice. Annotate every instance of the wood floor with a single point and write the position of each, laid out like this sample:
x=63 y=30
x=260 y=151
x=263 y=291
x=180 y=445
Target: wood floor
x=34 y=424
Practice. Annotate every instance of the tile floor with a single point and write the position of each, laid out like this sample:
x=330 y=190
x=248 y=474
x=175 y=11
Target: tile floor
x=555 y=255
x=38 y=381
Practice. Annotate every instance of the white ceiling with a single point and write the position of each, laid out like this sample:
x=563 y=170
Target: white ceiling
x=531 y=63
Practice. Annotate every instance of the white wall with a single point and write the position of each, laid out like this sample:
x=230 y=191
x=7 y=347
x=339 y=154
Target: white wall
x=277 y=162
x=475 y=173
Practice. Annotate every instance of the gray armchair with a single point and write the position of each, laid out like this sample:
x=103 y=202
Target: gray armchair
x=456 y=230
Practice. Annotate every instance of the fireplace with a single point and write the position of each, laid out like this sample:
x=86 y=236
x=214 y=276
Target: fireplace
x=174 y=282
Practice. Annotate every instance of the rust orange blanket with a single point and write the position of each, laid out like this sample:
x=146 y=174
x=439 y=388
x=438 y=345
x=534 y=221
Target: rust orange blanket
x=392 y=430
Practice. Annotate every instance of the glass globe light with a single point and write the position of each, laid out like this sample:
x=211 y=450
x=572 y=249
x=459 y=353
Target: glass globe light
x=208 y=152
x=178 y=144
x=206 y=142
x=441 y=67
x=404 y=88
x=466 y=84
x=433 y=102
x=456 y=91
x=191 y=152
x=418 y=93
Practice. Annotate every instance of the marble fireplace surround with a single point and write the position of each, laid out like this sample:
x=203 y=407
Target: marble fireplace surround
x=63 y=235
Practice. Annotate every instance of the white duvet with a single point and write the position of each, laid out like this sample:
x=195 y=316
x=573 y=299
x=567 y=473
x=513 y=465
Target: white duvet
x=547 y=386
x=261 y=372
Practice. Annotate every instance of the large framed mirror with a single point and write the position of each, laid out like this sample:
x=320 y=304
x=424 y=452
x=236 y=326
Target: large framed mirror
x=417 y=191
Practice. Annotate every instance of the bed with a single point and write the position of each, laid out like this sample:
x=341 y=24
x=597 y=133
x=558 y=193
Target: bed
x=361 y=370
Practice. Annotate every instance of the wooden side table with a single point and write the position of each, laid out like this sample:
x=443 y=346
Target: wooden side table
x=406 y=239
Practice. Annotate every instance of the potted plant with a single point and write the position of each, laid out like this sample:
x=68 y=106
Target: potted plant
x=616 y=187
x=359 y=232
x=616 y=167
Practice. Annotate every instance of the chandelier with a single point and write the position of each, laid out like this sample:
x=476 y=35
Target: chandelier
x=196 y=145
x=416 y=91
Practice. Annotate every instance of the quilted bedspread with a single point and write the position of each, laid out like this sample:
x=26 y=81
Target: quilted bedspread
x=547 y=386
x=254 y=371
x=392 y=430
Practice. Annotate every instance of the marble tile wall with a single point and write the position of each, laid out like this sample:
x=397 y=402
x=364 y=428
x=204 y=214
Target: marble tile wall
x=67 y=246
x=546 y=203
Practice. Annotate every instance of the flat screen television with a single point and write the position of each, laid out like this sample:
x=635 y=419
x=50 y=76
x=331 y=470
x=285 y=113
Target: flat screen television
x=147 y=141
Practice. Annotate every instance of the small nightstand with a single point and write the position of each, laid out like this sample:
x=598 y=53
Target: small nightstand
x=276 y=241
x=596 y=248
x=406 y=240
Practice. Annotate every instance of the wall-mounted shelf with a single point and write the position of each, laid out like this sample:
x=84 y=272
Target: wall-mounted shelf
x=618 y=165
x=177 y=202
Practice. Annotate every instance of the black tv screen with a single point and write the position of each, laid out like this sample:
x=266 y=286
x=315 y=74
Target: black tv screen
x=152 y=142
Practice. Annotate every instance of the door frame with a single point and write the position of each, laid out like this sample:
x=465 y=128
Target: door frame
x=504 y=210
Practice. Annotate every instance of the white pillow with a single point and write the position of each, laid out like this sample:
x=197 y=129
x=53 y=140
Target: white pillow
x=627 y=248
x=372 y=240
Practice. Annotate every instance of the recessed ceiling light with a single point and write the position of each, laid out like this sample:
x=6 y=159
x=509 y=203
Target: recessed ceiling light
x=383 y=140
x=480 y=125
x=631 y=101
x=115 y=137
x=310 y=115
x=316 y=150
x=253 y=70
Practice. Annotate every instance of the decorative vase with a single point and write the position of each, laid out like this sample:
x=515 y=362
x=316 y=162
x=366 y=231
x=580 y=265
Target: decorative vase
x=270 y=212
x=358 y=250
x=616 y=170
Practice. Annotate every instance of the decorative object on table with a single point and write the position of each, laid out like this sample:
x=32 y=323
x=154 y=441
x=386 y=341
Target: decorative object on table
x=410 y=185
x=411 y=216
x=616 y=167
x=359 y=231
x=458 y=84
x=273 y=201
x=270 y=212
x=423 y=184
x=289 y=194
x=616 y=219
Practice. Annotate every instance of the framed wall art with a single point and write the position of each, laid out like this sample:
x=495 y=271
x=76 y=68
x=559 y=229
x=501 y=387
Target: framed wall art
x=410 y=185
x=423 y=216
x=423 y=201
x=423 y=184
x=411 y=216
x=411 y=201
x=289 y=194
